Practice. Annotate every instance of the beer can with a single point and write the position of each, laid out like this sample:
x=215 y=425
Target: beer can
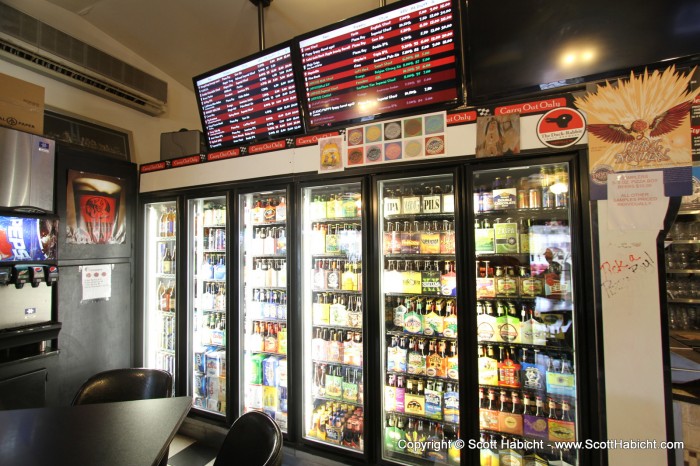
x=535 y=198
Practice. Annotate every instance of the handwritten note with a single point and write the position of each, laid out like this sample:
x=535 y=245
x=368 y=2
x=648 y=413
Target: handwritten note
x=635 y=199
x=620 y=271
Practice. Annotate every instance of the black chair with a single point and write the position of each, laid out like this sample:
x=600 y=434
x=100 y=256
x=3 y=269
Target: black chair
x=126 y=385
x=254 y=440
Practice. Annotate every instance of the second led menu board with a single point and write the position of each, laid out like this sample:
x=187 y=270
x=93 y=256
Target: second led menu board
x=395 y=59
x=249 y=100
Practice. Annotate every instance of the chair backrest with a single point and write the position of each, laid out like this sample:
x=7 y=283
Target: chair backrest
x=125 y=385
x=254 y=440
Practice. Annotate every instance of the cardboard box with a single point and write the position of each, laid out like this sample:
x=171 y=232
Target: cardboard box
x=21 y=105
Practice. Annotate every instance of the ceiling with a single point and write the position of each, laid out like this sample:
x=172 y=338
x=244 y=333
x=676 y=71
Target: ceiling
x=184 y=38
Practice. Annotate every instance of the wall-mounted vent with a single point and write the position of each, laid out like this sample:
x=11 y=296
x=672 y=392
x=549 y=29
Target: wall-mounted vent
x=31 y=43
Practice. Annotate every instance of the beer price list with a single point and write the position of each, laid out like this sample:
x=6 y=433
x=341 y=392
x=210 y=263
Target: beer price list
x=255 y=100
x=393 y=61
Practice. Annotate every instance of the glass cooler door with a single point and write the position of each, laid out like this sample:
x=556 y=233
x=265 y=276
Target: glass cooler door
x=524 y=314
x=159 y=300
x=263 y=300
x=207 y=289
x=418 y=291
x=332 y=315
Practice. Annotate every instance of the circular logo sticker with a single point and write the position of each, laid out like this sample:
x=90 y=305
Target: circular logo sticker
x=600 y=173
x=561 y=127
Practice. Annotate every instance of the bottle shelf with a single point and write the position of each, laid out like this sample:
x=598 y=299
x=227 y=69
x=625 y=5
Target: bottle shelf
x=421 y=417
x=681 y=241
x=502 y=254
x=541 y=211
x=349 y=366
x=400 y=333
x=170 y=276
x=541 y=393
x=330 y=290
x=214 y=251
x=271 y=353
x=424 y=377
x=214 y=225
x=330 y=255
x=213 y=280
x=265 y=319
x=338 y=400
x=548 y=348
x=165 y=238
x=336 y=327
x=420 y=255
x=683 y=271
x=269 y=224
x=166 y=313
x=421 y=216
x=166 y=351
x=397 y=294
x=268 y=256
x=689 y=212
x=337 y=220
x=684 y=300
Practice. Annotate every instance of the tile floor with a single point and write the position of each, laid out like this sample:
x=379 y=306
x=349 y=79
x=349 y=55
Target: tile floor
x=186 y=451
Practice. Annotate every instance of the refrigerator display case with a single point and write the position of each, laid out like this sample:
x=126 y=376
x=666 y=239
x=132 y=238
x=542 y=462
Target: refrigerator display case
x=262 y=294
x=160 y=287
x=419 y=323
x=524 y=314
x=332 y=316
x=207 y=309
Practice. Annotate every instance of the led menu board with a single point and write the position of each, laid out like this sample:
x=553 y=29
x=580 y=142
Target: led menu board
x=397 y=58
x=248 y=100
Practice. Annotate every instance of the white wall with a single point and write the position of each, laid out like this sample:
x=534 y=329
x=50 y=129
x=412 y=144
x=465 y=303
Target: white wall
x=182 y=108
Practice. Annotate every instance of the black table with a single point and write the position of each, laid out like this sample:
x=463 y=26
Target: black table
x=128 y=433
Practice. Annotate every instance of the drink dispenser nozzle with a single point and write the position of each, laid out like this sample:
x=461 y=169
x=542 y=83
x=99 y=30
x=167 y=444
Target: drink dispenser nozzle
x=36 y=275
x=20 y=276
x=51 y=274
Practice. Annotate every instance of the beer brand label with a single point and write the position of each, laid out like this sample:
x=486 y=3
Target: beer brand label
x=561 y=431
x=510 y=423
x=410 y=205
x=533 y=376
x=413 y=323
x=504 y=199
x=392 y=206
x=506 y=286
x=430 y=282
x=531 y=287
x=415 y=404
x=506 y=238
x=430 y=243
x=535 y=426
x=488 y=419
x=433 y=404
x=486 y=327
x=432 y=204
x=416 y=363
x=451 y=409
x=448 y=203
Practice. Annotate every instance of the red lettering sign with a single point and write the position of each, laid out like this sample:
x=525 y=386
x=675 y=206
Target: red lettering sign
x=186 y=161
x=532 y=107
x=152 y=167
x=461 y=118
x=267 y=147
x=224 y=154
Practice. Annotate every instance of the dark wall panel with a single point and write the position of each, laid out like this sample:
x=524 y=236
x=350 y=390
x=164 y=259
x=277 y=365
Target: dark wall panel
x=96 y=335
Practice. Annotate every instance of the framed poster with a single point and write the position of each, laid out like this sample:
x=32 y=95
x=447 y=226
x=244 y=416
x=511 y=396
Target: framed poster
x=95 y=200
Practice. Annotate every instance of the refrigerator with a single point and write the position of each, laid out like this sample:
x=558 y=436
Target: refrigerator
x=160 y=287
x=207 y=303
x=262 y=284
x=419 y=319
x=526 y=259
x=332 y=304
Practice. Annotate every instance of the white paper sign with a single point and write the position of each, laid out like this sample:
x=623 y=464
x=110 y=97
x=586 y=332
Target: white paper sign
x=97 y=281
x=637 y=201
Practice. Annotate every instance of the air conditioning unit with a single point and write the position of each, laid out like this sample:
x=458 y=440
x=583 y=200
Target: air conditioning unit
x=32 y=44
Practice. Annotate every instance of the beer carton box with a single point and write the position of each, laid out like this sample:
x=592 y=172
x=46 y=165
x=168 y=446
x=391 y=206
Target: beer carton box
x=216 y=363
x=488 y=419
x=561 y=431
x=504 y=199
x=535 y=427
x=270 y=368
x=430 y=282
x=415 y=404
x=21 y=105
x=433 y=404
x=484 y=240
x=485 y=287
x=510 y=423
x=451 y=407
x=216 y=388
x=506 y=238
x=270 y=400
x=254 y=396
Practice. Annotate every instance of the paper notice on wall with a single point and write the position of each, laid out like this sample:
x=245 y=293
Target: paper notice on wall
x=637 y=201
x=97 y=281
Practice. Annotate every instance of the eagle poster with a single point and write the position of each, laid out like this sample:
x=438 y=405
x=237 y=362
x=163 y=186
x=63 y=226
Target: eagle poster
x=641 y=124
